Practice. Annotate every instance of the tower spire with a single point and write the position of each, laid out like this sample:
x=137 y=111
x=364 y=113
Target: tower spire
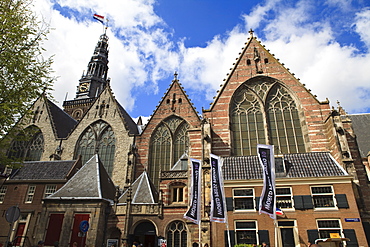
x=95 y=79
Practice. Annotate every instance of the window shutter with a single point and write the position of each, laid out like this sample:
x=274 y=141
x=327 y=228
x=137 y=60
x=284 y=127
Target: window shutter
x=307 y=202
x=312 y=235
x=341 y=201
x=351 y=234
x=263 y=236
x=257 y=200
x=232 y=238
x=229 y=204
x=298 y=202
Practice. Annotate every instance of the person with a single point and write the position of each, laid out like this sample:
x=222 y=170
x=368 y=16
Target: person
x=206 y=245
x=264 y=244
x=74 y=244
x=40 y=243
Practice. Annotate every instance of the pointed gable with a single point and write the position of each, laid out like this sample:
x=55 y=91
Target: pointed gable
x=142 y=191
x=176 y=102
x=257 y=85
x=90 y=182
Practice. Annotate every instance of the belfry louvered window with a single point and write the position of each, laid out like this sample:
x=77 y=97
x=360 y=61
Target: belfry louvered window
x=168 y=142
x=262 y=111
x=27 y=145
x=97 y=138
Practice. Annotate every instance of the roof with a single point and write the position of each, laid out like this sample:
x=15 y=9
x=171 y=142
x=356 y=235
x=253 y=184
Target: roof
x=130 y=124
x=361 y=127
x=43 y=170
x=62 y=122
x=90 y=182
x=301 y=165
x=142 y=191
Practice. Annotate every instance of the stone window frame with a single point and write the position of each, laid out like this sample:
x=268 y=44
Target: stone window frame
x=260 y=122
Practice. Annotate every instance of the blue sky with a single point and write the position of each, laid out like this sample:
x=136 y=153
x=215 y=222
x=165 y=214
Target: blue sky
x=325 y=43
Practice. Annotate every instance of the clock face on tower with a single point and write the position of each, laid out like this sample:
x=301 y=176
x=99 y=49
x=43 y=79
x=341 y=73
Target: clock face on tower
x=84 y=87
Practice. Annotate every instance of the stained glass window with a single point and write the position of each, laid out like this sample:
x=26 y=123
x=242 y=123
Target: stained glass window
x=168 y=142
x=177 y=234
x=262 y=111
x=97 y=138
x=27 y=145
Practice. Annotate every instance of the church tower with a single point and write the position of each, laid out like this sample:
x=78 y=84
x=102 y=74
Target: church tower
x=92 y=82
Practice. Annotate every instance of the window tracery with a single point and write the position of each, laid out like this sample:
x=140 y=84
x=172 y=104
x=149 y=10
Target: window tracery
x=168 y=142
x=264 y=112
x=97 y=138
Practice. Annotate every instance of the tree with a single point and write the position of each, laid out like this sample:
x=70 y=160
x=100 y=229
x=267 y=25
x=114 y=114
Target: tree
x=24 y=73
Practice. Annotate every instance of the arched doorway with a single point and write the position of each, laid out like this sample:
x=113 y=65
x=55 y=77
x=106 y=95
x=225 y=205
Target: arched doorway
x=145 y=234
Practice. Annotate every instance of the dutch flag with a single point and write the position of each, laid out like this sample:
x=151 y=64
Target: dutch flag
x=279 y=212
x=99 y=18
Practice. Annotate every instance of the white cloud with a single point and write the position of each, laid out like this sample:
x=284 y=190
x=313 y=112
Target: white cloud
x=362 y=26
x=142 y=51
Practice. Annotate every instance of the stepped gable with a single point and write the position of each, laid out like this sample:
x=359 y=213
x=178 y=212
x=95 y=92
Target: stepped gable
x=44 y=170
x=301 y=165
x=360 y=124
x=90 y=182
x=62 y=122
x=142 y=191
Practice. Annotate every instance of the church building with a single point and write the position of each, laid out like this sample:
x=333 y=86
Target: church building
x=94 y=177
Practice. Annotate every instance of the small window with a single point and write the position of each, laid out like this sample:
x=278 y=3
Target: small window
x=244 y=199
x=49 y=190
x=246 y=232
x=323 y=197
x=266 y=60
x=180 y=101
x=178 y=194
x=248 y=62
x=30 y=193
x=328 y=226
x=3 y=192
x=168 y=101
x=284 y=198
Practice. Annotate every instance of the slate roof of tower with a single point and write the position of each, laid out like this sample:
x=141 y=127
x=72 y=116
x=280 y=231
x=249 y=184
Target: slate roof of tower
x=361 y=126
x=303 y=165
x=61 y=121
x=43 y=170
x=142 y=191
x=90 y=182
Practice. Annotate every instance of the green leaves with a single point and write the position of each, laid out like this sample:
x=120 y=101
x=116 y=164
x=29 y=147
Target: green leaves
x=24 y=72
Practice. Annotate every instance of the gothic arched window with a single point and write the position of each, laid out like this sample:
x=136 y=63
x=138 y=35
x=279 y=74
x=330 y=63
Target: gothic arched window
x=168 y=142
x=264 y=112
x=177 y=234
x=97 y=138
x=28 y=145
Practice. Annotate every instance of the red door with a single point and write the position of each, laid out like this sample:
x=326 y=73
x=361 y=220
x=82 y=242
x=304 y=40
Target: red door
x=54 y=228
x=77 y=236
x=19 y=234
